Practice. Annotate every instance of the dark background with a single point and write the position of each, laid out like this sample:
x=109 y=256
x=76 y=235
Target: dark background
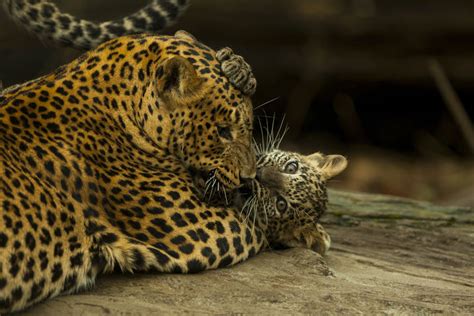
x=354 y=77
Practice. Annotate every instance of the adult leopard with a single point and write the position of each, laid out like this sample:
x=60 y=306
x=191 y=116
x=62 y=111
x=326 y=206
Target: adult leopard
x=89 y=150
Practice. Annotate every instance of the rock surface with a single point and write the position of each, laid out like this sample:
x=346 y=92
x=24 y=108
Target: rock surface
x=384 y=261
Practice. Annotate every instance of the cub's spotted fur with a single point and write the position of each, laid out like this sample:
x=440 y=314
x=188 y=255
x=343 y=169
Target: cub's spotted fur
x=290 y=189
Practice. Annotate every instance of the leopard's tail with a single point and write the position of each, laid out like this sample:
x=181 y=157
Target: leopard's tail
x=45 y=20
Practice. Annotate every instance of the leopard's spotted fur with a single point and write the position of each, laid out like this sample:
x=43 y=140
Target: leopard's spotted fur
x=94 y=163
x=43 y=18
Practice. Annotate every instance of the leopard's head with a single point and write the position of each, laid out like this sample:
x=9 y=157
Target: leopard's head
x=206 y=96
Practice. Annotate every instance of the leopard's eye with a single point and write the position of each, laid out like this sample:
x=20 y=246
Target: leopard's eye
x=224 y=132
x=291 y=167
x=281 y=204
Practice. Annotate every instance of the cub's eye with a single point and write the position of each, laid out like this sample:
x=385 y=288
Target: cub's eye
x=224 y=132
x=281 y=204
x=291 y=167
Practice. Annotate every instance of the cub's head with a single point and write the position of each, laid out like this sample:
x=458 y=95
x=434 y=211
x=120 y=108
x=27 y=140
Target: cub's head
x=204 y=97
x=289 y=194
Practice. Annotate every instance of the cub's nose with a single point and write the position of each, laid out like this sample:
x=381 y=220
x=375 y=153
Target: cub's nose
x=270 y=177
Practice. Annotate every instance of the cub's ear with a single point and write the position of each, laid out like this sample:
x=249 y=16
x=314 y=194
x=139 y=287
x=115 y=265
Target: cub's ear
x=330 y=165
x=178 y=83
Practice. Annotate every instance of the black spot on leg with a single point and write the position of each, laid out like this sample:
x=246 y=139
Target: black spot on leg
x=220 y=228
x=234 y=227
x=3 y=240
x=36 y=290
x=186 y=248
x=178 y=240
x=223 y=246
x=176 y=269
x=57 y=272
x=194 y=236
x=195 y=266
x=239 y=248
x=76 y=260
x=138 y=259
x=252 y=252
x=202 y=235
x=162 y=224
x=70 y=282
x=17 y=294
x=178 y=219
x=227 y=260
x=160 y=257
x=155 y=233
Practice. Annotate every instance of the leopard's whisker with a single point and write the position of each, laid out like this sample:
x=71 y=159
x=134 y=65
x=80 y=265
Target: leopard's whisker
x=225 y=197
x=265 y=103
x=247 y=207
x=262 y=147
x=268 y=136
x=218 y=191
x=266 y=214
x=251 y=208
x=254 y=218
x=207 y=187
x=271 y=133
x=256 y=146
x=279 y=137
x=244 y=207
x=213 y=182
x=205 y=190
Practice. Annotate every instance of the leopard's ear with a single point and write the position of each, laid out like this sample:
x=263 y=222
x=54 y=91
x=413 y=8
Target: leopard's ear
x=330 y=165
x=178 y=83
x=185 y=35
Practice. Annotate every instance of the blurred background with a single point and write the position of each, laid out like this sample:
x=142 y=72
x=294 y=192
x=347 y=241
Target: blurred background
x=389 y=84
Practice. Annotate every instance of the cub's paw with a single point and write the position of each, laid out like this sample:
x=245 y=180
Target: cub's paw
x=313 y=237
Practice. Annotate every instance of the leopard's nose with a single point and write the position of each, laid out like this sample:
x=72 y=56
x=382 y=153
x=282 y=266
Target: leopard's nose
x=248 y=173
